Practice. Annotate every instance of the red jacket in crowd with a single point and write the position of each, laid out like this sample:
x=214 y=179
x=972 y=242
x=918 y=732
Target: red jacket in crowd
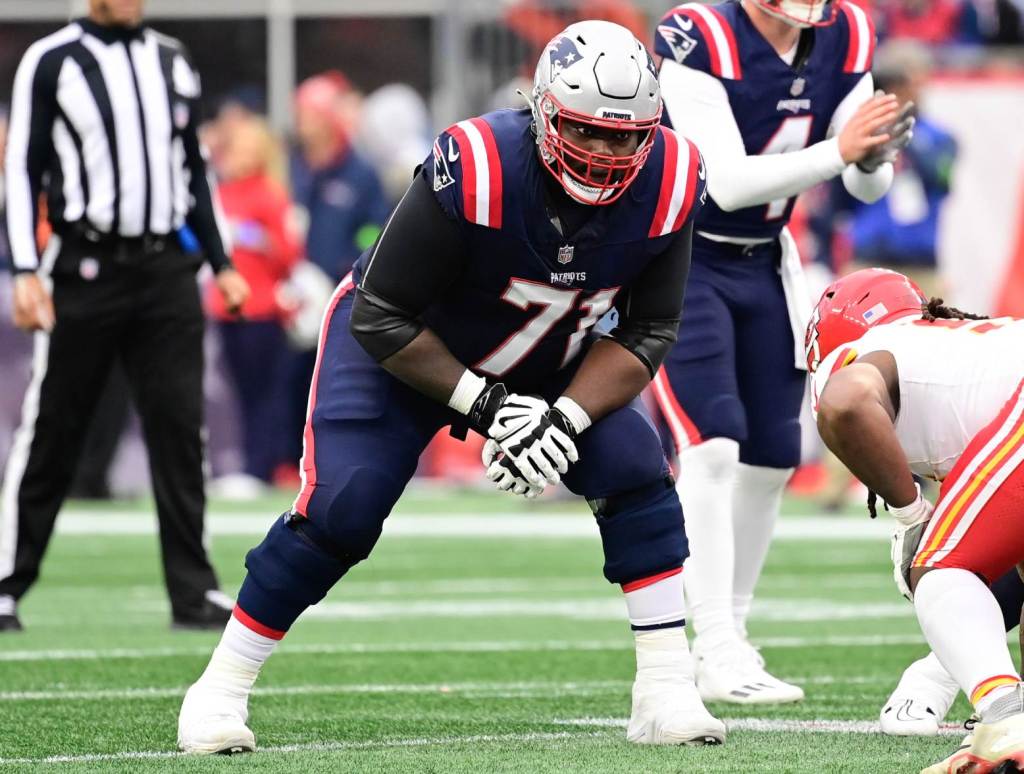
x=265 y=249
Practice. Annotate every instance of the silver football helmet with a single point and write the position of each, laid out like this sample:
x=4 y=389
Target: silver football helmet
x=595 y=73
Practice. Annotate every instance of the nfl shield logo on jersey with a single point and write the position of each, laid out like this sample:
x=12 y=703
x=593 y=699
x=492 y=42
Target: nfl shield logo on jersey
x=565 y=253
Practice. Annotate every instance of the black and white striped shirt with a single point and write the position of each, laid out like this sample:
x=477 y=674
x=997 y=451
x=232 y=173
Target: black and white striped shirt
x=104 y=120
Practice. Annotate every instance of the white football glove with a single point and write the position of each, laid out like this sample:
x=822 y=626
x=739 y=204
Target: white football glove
x=540 y=450
x=504 y=474
x=900 y=131
x=912 y=520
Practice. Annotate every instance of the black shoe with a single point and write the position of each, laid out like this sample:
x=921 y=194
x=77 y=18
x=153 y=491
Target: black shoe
x=208 y=617
x=10 y=623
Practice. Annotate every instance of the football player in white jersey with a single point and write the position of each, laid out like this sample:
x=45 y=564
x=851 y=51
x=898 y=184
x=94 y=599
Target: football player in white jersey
x=902 y=385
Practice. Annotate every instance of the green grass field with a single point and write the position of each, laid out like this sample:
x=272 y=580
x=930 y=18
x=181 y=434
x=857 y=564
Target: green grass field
x=467 y=643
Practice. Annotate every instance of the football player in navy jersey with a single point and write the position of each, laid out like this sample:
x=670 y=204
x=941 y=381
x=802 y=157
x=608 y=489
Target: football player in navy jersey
x=778 y=95
x=474 y=310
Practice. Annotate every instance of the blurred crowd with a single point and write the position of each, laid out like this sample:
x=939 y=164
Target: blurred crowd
x=303 y=205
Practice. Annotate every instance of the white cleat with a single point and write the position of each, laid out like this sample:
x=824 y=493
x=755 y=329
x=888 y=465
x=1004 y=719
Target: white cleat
x=920 y=701
x=213 y=721
x=666 y=706
x=734 y=672
x=671 y=714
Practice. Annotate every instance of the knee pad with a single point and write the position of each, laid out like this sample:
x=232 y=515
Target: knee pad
x=288 y=572
x=347 y=520
x=642 y=532
x=777 y=448
x=722 y=417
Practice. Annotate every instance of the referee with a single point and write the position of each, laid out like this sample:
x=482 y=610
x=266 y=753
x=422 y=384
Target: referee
x=103 y=121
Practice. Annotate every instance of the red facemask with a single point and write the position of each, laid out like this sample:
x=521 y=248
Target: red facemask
x=604 y=176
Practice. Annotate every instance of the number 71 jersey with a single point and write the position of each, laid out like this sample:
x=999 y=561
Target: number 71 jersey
x=528 y=295
x=778 y=107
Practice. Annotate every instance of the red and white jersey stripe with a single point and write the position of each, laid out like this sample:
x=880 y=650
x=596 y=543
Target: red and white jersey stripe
x=682 y=171
x=307 y=466
x=684 y=431
x=481 y=172
x=861 y=51
x=719 y=36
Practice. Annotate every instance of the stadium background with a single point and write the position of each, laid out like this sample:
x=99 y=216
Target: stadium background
x=477 y=575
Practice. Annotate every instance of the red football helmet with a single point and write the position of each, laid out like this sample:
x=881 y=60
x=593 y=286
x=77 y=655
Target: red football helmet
x=856 y=302
x=802 y=13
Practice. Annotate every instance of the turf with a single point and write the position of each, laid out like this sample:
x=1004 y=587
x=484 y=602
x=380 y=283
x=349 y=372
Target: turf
x=445 y=654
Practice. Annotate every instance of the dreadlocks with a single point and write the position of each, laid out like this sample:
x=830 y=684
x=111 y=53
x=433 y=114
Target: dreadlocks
x=934 y=310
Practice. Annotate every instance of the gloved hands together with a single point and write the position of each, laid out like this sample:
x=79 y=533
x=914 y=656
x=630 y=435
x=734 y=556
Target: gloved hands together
x=533 y=438
x=900 y=131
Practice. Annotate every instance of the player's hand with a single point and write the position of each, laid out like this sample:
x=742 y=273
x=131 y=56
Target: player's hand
x=901 y=132
x=520 y=425
x=503 y=472
x=33 y=305
x=865 y=131
x=233 y=289
x=912 y=520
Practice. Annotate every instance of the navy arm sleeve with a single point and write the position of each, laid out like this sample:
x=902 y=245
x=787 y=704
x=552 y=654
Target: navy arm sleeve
x=649 y=314
x=417 y=257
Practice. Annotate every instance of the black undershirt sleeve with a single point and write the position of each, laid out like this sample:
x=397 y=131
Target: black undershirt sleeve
x=417 y=257
x=650 y=312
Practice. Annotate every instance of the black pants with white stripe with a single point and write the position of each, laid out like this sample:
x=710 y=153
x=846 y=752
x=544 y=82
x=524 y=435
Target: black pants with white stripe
x=139 y=305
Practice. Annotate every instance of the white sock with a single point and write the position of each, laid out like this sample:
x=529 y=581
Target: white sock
x=238 y=658
x=757 y=498
x=707 y=473
x=663 y=654
x=962 y=622
x=656 y=600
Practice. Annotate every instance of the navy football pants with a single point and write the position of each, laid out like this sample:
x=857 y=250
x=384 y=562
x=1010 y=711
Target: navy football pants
x=731 y=372
x=362 y=446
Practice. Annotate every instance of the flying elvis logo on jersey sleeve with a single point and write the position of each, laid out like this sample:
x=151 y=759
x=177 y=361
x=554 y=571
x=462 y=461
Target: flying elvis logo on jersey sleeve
x=676 y=36
x=701 y=36
x=466 y=173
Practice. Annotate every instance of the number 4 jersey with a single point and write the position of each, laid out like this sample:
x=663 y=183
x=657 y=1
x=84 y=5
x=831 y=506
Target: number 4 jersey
x=527 y=295
x=955 y=376
x=778 y=105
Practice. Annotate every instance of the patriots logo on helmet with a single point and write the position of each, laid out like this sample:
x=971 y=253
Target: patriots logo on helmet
x=681 y=44
x=563 y=54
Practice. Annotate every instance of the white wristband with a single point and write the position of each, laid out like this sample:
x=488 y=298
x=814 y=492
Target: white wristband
x=572 y=410
x=911 y=514
x=466 y=392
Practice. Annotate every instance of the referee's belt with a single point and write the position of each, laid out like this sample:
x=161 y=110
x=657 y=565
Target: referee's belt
x=145 y=243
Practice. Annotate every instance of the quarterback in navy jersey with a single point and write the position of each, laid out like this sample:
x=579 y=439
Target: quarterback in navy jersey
x=475 y=310
x=778 y=96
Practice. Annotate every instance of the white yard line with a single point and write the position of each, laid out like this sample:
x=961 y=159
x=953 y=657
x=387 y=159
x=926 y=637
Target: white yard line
x=511 y=689
x=555 y=524
x=86 y=654
x=591 y=609
x=772 y=725
x=368 y=744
